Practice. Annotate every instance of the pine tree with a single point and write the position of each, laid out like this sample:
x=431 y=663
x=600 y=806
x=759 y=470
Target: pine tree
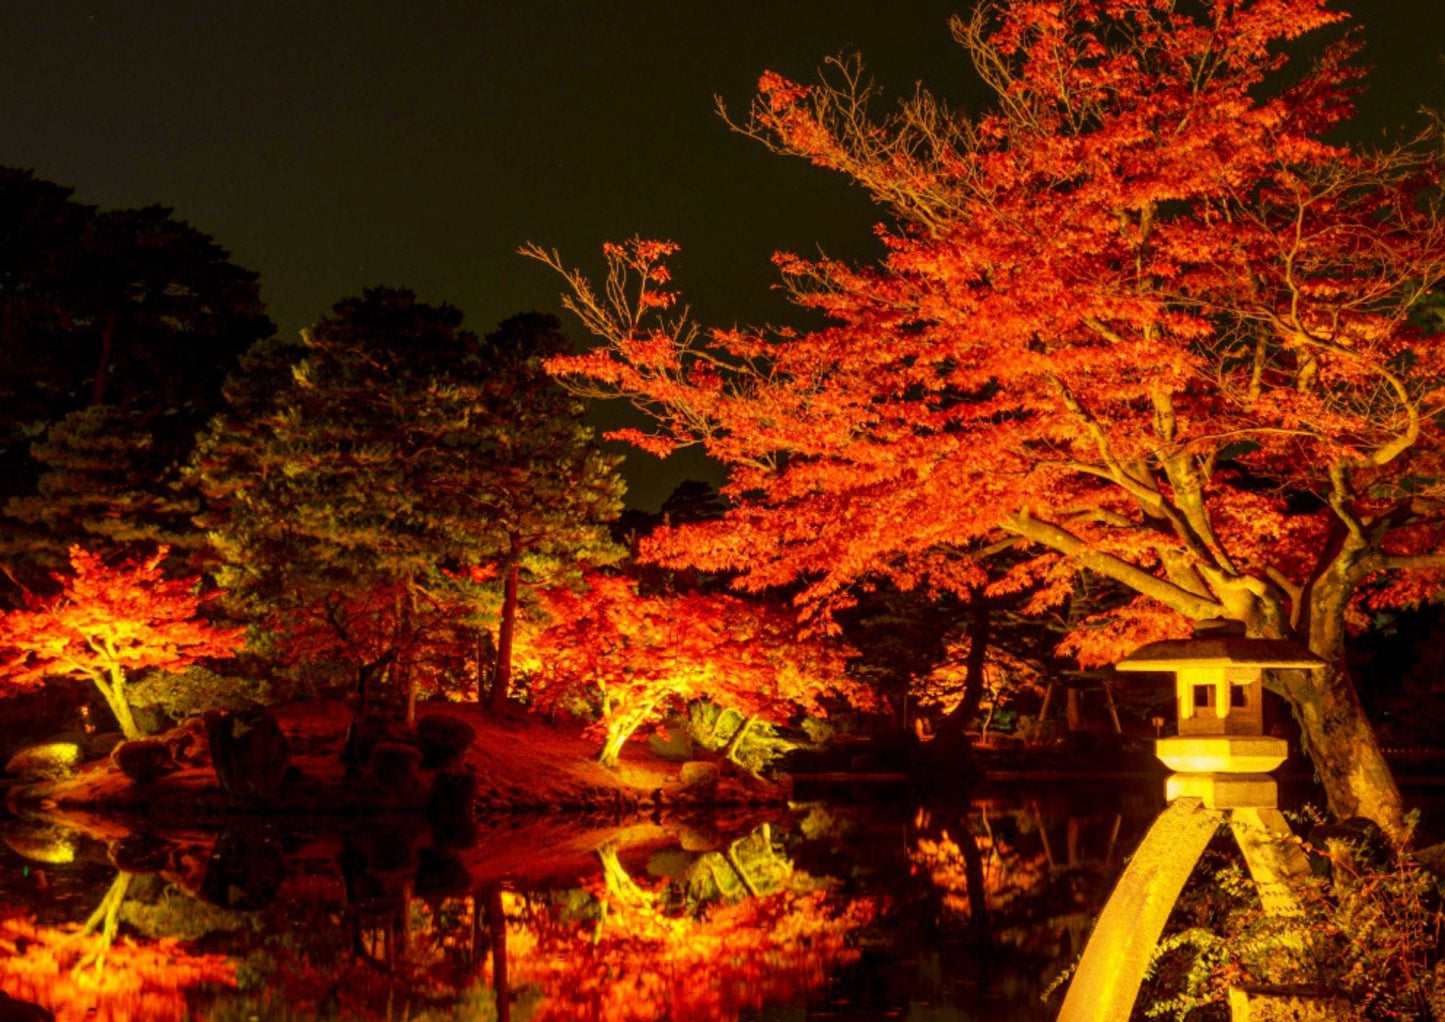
x=550 y=491
x=365 y=494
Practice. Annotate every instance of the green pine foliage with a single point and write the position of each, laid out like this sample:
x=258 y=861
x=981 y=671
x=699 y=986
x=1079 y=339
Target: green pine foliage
x=371 y=482
x=105 y=483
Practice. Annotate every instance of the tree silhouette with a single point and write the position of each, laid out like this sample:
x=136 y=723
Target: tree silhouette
x=116 y=330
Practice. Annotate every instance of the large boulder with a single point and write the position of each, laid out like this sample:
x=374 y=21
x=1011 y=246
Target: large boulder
x=364 y=735
x=12 y=1010
x=698 y=773
x=444 y=739
x=244 y=871
x=452 y=809
x=249 y=752
x=144 y=760
x=141 y=853
x=396 y=768
x=440 y=874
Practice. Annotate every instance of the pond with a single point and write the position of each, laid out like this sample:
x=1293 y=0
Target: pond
x=861 y=905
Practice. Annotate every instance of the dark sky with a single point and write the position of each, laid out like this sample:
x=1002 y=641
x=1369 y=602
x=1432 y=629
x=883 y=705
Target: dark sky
x=336 y=144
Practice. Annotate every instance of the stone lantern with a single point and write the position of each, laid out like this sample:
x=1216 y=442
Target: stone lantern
x=1221 y=760
x=1221 y=753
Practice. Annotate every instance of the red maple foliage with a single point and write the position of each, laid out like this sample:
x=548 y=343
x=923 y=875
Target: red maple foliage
x=640 y=655
x=1145 y=317
x=81 y=975
x=107 y=622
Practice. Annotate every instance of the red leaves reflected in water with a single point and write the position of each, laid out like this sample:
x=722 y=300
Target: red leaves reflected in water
x=633 y=962
x=136 y=983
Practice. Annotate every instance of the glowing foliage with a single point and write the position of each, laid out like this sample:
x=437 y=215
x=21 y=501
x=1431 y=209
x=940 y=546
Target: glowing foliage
x=107 y=623
x=631 y=960
x=139 y=982
x=1142 y=315
x=640 y=655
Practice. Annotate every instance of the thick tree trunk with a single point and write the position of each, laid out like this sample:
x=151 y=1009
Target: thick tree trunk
x=102 y=368
x=405 y=627
x=363 y=692
x=486 y=662
x=1342 y=746
x=618 y=734
x=502 y=675
x=1337 y=736
x=955 y=723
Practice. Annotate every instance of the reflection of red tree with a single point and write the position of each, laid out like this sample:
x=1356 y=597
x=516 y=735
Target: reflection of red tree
x=634 y=962
x=138 y=983
x=1008 y=873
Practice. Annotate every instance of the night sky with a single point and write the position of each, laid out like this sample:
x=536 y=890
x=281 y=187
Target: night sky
x=335 y=145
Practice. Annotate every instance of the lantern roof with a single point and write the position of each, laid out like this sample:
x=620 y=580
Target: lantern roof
x=1219 y=651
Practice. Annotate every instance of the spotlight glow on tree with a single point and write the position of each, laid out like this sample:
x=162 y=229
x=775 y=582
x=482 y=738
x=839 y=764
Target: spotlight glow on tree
x=107 y=623
x=638 y=656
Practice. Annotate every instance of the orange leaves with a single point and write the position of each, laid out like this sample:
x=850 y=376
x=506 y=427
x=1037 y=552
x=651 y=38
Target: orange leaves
x=638 y=655
x=1145 y=299
x=779 y=91
x=1102 y=639
x=139 y=982
x=108 y=619
x=642 y=254
x=637 y=963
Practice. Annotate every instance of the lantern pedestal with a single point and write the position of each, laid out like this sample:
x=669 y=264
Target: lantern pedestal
x=1225 y=791
x=1221 y=758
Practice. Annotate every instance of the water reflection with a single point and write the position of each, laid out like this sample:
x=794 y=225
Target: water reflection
x=863 y=910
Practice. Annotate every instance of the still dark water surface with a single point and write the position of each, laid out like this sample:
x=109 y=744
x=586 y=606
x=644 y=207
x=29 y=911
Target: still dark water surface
x=846 y=908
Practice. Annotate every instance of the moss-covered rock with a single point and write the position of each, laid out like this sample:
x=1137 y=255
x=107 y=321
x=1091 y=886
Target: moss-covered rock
x=698 y=773
x=54 y=760
x=41 y=842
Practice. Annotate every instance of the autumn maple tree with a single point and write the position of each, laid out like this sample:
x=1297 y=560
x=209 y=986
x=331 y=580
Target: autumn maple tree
x=1145 y=317
x=107 y=623
x=635 y=656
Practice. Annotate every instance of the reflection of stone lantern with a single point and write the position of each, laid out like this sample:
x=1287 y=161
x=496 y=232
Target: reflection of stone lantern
x=1221 y=759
